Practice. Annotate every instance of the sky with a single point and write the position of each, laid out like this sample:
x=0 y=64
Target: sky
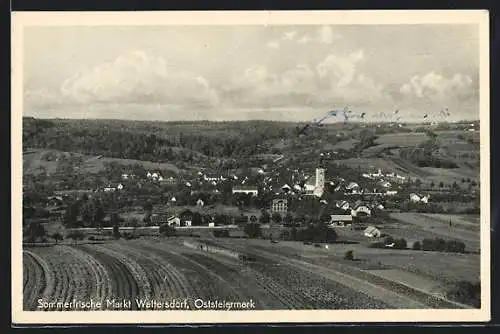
x=288 y=73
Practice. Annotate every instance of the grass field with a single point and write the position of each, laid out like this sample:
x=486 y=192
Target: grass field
x=426 y=223
x=34 y=162
x=167 y=268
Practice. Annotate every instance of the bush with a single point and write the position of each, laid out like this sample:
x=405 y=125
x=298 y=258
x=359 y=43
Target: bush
x=166 y=230
x=453 y=246
x=349 y=255
x=377 y=244
x=416 y=245
x=389 y=240
x=221 y=233
x=466 y=293
x=400 y=244
x=441 y=245
x=253 y=230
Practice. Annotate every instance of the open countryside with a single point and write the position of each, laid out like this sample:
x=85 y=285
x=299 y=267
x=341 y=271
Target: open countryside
x=373 y=216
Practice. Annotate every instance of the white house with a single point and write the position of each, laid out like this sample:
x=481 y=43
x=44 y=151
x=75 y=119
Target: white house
x=173 y=199
x=174 y=221
x=125 y=176
x=246 y=190
x=344 y=205
x=415 y=198
x=200 y=202
x=340 y=220
x=391 y=192
x=148 y=175
x=361 y=210
x=188 y=223
x=188 y=184
x=372 y=232
x=119 y=187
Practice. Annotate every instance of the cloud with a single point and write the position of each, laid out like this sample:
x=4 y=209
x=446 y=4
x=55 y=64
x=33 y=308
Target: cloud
x=134 y=77
x=336 y=79
x=435 y=87
x=304 y=39
x=326 y=35
x=273 y=45
x=289 y=36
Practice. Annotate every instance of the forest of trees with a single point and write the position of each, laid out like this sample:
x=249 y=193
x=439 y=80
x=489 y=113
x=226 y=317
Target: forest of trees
x=179 y=141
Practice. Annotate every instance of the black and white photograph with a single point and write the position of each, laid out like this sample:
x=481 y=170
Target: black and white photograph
x=214 y=167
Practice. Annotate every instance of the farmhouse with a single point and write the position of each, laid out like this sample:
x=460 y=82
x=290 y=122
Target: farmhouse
x=279 y=205
x=372 y=232
x=340 y=220
x=54 y=201
x=173 y=221
x=158 y=219
x=246 y=190
x=344 y=205
x=416 y=198
x=361 y=210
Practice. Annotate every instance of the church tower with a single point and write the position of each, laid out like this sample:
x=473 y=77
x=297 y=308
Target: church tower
x=320 y=182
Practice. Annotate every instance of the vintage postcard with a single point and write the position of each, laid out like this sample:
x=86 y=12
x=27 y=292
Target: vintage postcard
x=250 y=167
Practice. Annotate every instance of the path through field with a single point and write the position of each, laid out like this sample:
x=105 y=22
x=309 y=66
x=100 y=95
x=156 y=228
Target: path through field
x=436 y=226
x=167 y=269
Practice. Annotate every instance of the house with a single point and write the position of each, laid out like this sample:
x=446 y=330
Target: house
x=279 y=205
x=340 y=220
x=211 y=224
x=416 y=198
x=344 y=205
x=119 y=187
x=286 y=188
x=173 y=221
x=109 y=189
x=372 y=232
x=361 y=210
x=187 y=223
x=391 y=192
x=352 y=186
x=246 y=190
x=200 y=202
x=173 y=199
x=125 y=176
x=157 y=219
x=54 y=201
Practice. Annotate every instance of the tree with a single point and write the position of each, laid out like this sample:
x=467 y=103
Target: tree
x=147 y=218
x=432 y=184
x=276 y=218
x=288 y=219
x=441 y=184
x=36 y=231
x=253 y=230
x=167 y=230
x=57 y=237
x=416 y=245
x=349 y=255
x=115 y=222
x=265 y=217
x=71 y=215
x=418 y=183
